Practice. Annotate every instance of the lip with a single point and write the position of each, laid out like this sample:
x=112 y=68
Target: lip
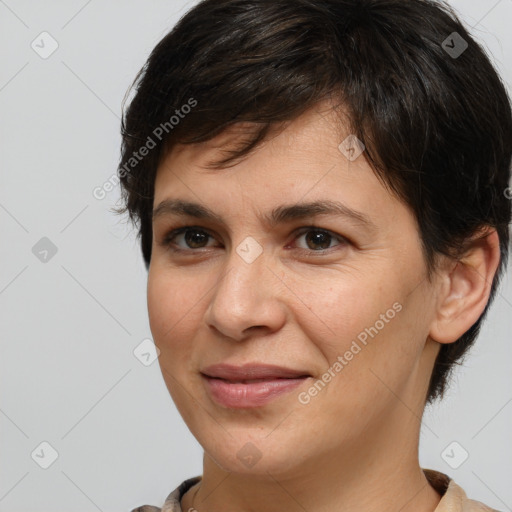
x=252 y=371
x=227 y=384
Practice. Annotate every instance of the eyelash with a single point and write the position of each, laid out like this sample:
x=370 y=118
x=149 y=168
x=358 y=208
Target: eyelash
x=167 y=239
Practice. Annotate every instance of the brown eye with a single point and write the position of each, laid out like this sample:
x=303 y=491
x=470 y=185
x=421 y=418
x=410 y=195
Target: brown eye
x=318 y=240
x=193 y=238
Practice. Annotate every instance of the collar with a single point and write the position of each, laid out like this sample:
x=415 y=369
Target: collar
x=453 y=497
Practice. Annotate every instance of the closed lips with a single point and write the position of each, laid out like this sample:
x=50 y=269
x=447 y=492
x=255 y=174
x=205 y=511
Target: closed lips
x=250 y=381
x=250 y=385
x=252 y=373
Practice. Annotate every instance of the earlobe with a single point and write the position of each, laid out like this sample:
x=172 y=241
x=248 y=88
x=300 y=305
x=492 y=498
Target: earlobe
x=465 y=287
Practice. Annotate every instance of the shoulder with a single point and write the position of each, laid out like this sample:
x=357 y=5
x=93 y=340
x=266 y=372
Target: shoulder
x=453 y=496
x=172 y=502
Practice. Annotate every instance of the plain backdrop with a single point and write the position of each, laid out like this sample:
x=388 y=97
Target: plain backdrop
x=74 y=396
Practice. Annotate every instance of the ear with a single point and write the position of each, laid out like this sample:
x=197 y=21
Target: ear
x=465 y=287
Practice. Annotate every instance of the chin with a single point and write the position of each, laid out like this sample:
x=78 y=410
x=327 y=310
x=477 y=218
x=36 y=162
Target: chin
x=248 y=455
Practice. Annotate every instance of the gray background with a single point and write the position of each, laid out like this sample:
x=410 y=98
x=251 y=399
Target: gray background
x=69 y=325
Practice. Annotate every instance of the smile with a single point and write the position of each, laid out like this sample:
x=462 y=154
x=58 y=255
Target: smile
x=249 y=393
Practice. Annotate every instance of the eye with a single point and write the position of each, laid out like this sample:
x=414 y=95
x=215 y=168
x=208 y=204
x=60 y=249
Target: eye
x=193 y=237
x=318 y=240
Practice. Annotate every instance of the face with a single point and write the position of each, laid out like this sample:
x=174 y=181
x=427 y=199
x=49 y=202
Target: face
x=338 y=296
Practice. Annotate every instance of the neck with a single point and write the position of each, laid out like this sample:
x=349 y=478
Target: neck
x=379 y=476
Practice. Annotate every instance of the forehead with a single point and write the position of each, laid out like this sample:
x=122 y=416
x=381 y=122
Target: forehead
x=309 y=143
x=299 y=161
x=324 y=123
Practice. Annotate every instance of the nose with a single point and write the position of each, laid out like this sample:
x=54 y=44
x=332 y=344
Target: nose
x=246 y=299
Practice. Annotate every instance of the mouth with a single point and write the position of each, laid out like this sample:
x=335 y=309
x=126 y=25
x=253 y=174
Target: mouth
x=251 y=385
x=251 y=372
x=252 y=381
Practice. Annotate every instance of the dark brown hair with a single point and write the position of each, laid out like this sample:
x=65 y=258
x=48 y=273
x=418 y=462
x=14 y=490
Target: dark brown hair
x=420 y=92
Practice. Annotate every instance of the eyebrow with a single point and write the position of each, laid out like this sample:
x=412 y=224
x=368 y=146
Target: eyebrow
x=279 y=215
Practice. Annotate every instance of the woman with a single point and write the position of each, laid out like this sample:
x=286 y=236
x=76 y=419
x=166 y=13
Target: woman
x=320 y=188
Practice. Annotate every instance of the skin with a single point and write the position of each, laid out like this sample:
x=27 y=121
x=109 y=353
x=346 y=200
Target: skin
x=354 y=446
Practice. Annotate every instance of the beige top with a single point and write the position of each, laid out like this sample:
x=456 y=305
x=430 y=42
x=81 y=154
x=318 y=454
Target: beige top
x=453 y=497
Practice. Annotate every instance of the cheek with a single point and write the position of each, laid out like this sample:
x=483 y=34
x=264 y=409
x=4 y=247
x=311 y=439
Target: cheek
x=370 y=322
x=339 y=308
x=171 y=305
x=173 y=324
x=161 y=300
